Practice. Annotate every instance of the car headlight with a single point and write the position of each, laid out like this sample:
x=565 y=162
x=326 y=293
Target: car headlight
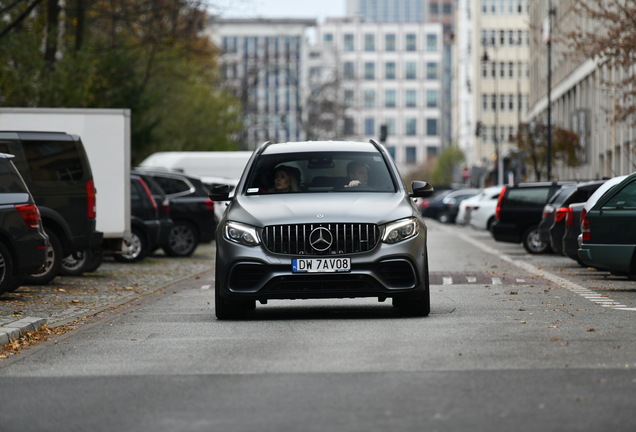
x=241 y=234
x=401 y=230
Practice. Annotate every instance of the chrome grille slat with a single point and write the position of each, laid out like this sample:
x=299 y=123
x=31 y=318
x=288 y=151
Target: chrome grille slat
x=293 y=239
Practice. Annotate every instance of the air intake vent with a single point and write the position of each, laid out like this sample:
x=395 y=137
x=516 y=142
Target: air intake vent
x=321 y=239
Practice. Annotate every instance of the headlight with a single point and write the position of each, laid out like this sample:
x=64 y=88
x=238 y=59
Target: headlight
x=242 y=234
x=401 y=230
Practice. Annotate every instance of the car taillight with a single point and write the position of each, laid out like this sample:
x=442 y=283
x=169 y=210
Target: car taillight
x=148 y=193
x=91 y=205
x=569 y=216
x=29 y=214
x=209 y=204
x=166 y=206
x=499 y=201
x=586 y=233
x=560 y=214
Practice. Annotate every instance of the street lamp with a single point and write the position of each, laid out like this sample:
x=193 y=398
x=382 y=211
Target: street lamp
x=498 y=159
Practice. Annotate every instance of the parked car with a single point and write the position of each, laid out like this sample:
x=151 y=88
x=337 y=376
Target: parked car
x=482 y=213
x=56 y=170
x=549 y=209
x=580 y=193
x=445 y=206
x=574 y=216
x=191 y=210
x=331 y=241
x=23 y=243
x=572 y=231
x=465 y=208
x=609 y=230
x=149 y=225
x=519 y=211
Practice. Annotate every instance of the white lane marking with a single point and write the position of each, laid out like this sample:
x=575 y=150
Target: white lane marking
x=569 y=285
x=496 y=281
x=447 y=281
x=205 y=287
x=471 y=279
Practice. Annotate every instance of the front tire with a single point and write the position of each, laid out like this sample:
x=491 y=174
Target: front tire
x=227 y=310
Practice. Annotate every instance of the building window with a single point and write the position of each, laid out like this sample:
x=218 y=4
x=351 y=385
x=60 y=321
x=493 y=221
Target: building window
x=369 y=98
x=390 y=126
x=348 y=42
x=410 y=126
x=389 y=98
x=349 y=98
x=369 y=70
x=349 y=126
x=389 y=70
x=431 y=42
x=389 y=42
x=431 y=127
x=369 y=42
x=349 y=72
x=411 y=155
x=327 y=38
x=431 y=98
x=410 y=98
x=369 y=126
x=431 y=71
x=411 y=42
x=410 y=71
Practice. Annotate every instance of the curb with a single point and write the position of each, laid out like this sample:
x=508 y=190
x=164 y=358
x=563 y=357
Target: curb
x=15 y=329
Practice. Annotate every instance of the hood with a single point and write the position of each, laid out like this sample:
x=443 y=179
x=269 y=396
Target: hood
x=275 y=209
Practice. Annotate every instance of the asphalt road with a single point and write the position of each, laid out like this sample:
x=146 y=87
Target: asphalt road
x=514 y=342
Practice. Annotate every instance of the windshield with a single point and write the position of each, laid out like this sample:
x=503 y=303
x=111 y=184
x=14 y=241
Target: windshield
x=311 y=172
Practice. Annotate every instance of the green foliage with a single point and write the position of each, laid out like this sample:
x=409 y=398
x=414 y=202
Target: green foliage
x=533 y=147
x=149 y=57
x=447 y=163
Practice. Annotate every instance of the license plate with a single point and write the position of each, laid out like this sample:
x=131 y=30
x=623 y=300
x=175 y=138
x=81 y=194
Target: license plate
x=321 y=265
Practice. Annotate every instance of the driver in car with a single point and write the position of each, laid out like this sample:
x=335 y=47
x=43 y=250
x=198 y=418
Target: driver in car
x=358 y=173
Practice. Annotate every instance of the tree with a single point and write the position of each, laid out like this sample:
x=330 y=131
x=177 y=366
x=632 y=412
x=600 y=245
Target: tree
x=612 y=44
x=150 y=56
x=533 y=147
x=440 y=171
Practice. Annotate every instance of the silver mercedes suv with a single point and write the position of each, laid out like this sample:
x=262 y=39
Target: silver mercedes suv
x=321 y=219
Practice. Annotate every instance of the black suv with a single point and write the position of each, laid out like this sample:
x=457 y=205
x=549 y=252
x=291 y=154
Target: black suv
x=23 y=242
x=519 y=212
x=56 y=170
x=191 y=210
x=150 y=222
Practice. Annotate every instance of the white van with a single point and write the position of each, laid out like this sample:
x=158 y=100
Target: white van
x=213 y=167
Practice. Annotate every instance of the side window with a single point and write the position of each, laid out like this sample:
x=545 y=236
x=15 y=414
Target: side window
x=172 y=185
x=135 y=195
x=625 y=199
x=53 y=160
x=527 y=196
x=10 y=181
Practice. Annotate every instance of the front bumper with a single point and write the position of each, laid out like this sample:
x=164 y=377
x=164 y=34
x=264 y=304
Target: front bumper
x=389 y=270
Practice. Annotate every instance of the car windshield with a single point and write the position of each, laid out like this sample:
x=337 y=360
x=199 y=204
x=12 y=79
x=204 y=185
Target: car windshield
x=312 y=172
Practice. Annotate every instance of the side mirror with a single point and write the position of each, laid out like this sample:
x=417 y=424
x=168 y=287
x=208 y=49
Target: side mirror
x=220 y=192
x=421 y=189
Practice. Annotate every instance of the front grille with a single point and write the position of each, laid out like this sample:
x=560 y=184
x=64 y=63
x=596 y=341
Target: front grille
x=346 y=238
